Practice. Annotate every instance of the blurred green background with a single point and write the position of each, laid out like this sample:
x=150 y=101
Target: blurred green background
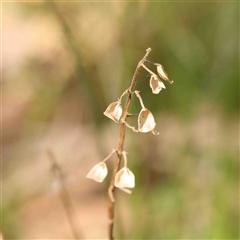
x=64 y=62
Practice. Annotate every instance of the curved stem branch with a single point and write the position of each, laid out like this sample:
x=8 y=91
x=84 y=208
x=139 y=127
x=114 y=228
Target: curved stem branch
x=124 y=158
x=146 y=68
x=140 y=99
x=112 y=152
x=123 y=94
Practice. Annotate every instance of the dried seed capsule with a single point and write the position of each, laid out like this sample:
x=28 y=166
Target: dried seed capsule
x=162 y=73
x=156 y=84
x=114 y=111
x=124 y=178
x=146 y=122
x=98 y=172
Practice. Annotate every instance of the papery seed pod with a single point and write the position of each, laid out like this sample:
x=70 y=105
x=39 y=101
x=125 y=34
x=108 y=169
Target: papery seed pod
x=156 y=84
x=124 y=178
x=162 y=73
x=114 y=111
x=146 y=122
x=98 y=172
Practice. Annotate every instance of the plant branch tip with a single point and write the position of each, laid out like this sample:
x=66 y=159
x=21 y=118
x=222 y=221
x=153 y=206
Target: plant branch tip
x=126 y=190
x=155 y=133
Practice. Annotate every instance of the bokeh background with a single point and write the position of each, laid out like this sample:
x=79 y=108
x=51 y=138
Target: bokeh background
x=64 y=62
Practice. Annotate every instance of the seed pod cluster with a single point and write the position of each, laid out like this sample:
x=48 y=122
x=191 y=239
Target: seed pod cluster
x=124 y=178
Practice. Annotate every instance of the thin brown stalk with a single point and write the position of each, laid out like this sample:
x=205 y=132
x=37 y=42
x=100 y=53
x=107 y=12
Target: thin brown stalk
x=111 y=189
x=63 y=194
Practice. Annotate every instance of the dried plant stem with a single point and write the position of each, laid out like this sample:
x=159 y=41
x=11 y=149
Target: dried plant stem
x=63 y=194
x=148 y=70
x=140 y=99
x=120 y=146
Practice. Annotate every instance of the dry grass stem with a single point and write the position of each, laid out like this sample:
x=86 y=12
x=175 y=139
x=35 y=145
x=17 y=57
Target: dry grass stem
x=63 y=194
